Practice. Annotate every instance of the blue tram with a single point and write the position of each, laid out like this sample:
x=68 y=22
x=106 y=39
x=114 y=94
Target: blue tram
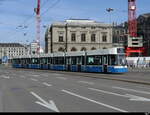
x=100 y=61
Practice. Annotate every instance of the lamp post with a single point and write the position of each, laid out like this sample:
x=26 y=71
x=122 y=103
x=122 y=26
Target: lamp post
x=66 y=44
x=109 y=10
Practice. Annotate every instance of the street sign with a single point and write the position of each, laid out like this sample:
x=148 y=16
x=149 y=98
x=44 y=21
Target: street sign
x=4 y=59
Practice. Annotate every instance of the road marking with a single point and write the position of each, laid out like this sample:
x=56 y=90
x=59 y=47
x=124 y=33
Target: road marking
x=143 y=87
x=34 y=79
x=22 y=76
x=57 y=74
x=85 y=82
x=63 y=78
x=133 y=90
x=6 y=77
x=35 y=76
x=44 y=83
x=131 y=97
x=116 y=94
x=85 y=98
x=50 y=104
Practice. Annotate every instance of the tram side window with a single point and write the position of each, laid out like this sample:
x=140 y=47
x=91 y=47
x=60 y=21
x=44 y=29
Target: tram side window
x=94 y=60
x=59 y=60
x=44 y=60
x=29 y=61
x=105 y=59
x=16 y=61
x=68 y=61
x=22 y=61
x=98 y=60
x=122 y=60
x=79 y=60
x=73 y=60
x=90 y=61
x=49 y=60
x=83 y=60
x=113 y=60
x=35 y=61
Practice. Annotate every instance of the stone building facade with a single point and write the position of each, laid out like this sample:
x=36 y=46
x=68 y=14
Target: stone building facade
x=120 y=35
x=144 y=30
x=78 y=35
x=11 y=50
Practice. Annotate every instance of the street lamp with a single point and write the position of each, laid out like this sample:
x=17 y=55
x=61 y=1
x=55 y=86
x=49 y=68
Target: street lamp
x=109 y=10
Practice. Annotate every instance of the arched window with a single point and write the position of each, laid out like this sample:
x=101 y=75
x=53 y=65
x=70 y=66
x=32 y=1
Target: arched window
x=73 y=49
x=61 y=49
x=104 y=48
x=93 y=48
x=83 y=49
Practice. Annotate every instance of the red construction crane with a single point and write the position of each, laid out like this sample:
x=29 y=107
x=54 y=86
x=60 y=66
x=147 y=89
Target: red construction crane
x=38 y=21
x=132 y=18
x=132 y=28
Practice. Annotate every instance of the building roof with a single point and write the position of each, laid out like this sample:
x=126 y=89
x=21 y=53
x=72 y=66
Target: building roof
x=145 y=15
x=80 y=23
x=11 y=45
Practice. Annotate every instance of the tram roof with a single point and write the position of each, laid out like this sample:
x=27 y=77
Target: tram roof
x=109 y=51
x=102 y=51
x=81 y=53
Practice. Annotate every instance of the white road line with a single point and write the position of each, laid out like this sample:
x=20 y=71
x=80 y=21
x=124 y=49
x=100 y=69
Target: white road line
x=57 y=74
x=132 y=90
x=35 y=76
x=6 y=77
x=49 y=85
x=63 y=78
x=85 y=98
x=143 y=87
x=34 y=79
x=85 y=82
x=107 y=92
x=130 y=96
x=22 y=76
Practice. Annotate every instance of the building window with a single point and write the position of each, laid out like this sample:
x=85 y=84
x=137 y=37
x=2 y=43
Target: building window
x=104 y=38
x=93 y=48
x=104 y=48
x=135 y=44
x=61 y=49
x=83 y=27
x=61 y=39
x=73 y=37
x=93 y=27
x=73 y=49
x=83 y=37
x=83 y=49
x=93 y=38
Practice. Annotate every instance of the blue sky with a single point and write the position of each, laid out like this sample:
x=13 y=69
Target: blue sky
x=16 y=13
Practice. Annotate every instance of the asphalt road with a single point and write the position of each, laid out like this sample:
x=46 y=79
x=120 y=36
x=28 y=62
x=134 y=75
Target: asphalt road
x=49 y=91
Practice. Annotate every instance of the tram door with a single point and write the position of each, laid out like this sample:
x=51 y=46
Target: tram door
x=105 y=64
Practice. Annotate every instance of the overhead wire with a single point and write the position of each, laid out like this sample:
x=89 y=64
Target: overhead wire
x=51 y=6
x=25 y=23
